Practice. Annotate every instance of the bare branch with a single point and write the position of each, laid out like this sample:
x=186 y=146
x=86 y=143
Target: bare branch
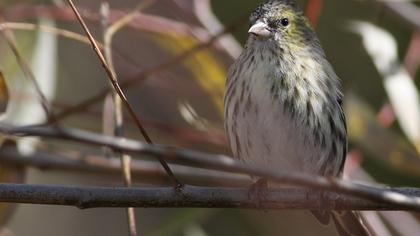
x=143 y=22
x=53 y=30
x=107 y=69
x=143 y=171
x=219 y=162
x=118 y=109
x=118 y=89
x=26 y=69
x=165 y=65
x=190 y=196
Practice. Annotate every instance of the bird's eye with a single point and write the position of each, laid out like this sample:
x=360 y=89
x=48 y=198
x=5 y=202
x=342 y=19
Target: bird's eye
x=274 y=24
x=284 y=22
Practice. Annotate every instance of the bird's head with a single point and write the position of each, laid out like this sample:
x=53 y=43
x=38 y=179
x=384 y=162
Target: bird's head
x=281 y=22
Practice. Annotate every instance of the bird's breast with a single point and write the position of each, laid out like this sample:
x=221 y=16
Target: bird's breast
x=261 y=130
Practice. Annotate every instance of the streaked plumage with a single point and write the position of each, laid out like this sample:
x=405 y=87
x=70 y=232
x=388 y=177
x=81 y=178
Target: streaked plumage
x=283 y=98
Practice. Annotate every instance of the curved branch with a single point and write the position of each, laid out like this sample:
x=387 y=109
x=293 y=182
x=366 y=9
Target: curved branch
x=220 y=162
x=117 y=88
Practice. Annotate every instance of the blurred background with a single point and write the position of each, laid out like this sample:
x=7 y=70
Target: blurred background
x=374 y=47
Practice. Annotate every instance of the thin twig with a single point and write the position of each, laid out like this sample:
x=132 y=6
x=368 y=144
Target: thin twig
x=143 y=171
x=118 y=89
x=118 y=25
x=57 y=31
x=144 y=22
x=219 y=162
x=118 y=117
x=173 y=61
x=197 y=197
x=10 y=39
x=53 y=30
x=118 y=111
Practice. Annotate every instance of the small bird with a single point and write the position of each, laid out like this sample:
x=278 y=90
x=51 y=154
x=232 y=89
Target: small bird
x=283 y=103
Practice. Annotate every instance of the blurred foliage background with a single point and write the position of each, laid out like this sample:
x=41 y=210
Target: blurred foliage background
x=182 y=106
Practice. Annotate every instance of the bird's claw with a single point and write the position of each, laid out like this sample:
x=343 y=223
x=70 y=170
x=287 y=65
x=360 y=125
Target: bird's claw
x=322 y=197
x=257 y=190
x=179 y=187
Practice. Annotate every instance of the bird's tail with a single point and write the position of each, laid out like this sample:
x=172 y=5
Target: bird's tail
x=347 y=223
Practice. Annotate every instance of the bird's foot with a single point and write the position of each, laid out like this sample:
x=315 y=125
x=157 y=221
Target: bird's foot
x=323 y=199
x=321 y=213
x=257 y=190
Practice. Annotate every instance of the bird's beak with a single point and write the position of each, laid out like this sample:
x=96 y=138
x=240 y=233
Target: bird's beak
x=259 y=29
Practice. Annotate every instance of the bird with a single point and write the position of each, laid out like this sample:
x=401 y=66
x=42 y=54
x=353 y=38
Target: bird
x=283 y=103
